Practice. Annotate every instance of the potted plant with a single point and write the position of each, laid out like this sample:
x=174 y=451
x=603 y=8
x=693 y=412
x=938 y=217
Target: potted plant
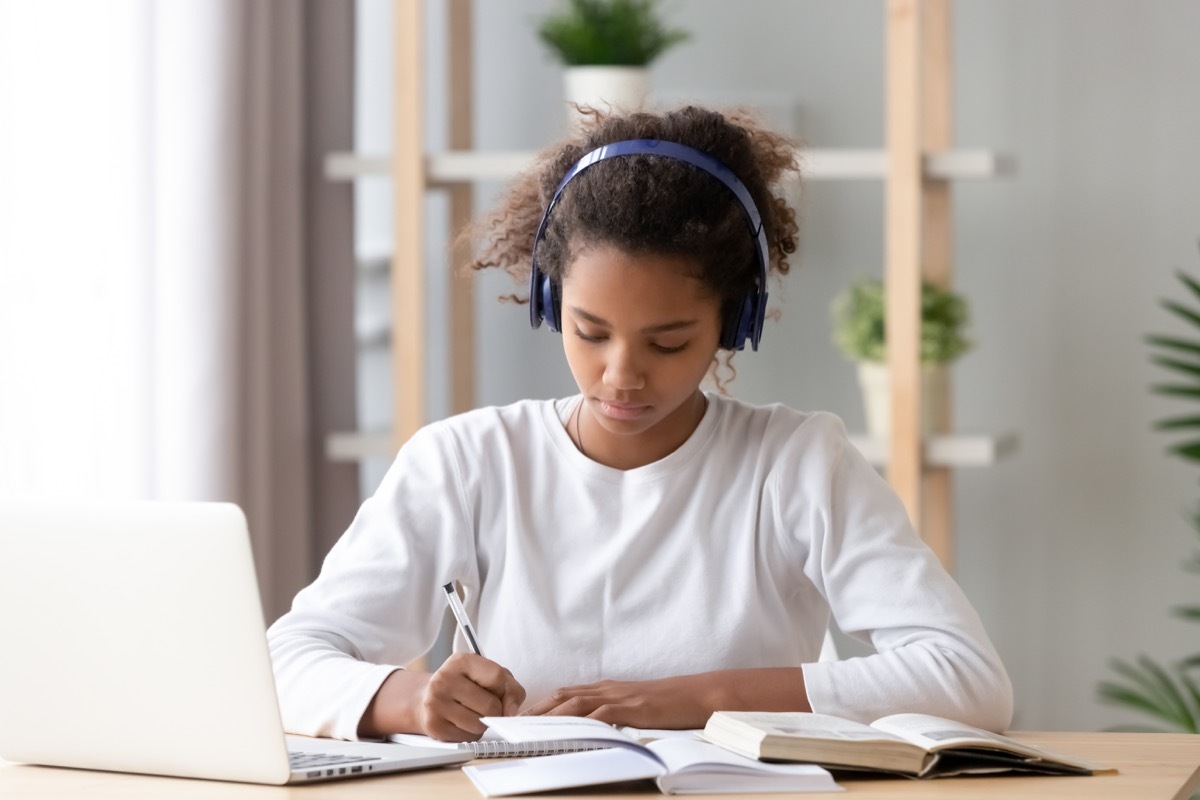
x=1169 y=692
x=607 y=46
x=859 y=329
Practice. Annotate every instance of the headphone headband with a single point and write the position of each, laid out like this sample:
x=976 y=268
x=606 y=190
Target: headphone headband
x=748 y=320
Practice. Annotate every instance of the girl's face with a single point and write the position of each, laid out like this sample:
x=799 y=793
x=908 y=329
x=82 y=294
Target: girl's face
x=639 y=334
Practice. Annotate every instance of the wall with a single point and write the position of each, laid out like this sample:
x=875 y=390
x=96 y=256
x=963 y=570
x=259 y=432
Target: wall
x=1070 y=549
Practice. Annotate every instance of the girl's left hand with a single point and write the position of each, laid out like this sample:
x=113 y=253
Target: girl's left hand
x=680 y=702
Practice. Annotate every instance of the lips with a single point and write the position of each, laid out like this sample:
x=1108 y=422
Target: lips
x=622 y=411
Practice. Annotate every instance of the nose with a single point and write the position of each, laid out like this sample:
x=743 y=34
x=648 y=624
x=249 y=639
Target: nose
x=622 y=370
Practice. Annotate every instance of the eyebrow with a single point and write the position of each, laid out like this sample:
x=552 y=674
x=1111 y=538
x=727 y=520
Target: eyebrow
x=663 y=328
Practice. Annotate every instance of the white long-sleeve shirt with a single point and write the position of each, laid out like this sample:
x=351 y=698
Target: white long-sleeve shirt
x=731 y=552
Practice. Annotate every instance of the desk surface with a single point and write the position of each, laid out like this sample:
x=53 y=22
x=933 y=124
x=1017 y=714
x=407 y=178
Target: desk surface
x=1151 y=767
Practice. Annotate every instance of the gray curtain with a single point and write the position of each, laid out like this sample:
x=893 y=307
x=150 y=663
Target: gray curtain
x=254 y=269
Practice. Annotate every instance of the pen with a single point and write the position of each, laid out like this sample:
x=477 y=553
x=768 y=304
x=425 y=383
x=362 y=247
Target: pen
x=460 y=614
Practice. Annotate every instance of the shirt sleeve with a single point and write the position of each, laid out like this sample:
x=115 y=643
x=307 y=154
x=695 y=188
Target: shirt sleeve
x=377 y=603
x=885 y=586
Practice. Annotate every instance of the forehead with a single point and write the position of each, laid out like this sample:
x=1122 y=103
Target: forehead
x=606 y=276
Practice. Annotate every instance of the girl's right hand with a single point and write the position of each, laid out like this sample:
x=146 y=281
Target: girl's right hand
x=465 y=688
x=446 y=705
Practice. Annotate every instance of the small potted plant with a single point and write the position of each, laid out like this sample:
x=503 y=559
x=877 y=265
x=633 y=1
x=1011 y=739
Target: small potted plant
x=859 y=329
x=606 y=46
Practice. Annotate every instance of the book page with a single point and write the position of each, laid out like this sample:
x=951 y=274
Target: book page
x=680 y=755
x=546 y=773
x=809 y=725
x=937 y=733
x=647 y=735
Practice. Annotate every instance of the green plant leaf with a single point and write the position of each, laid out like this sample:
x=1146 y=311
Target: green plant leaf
x=1176 y=423
x=608 y=33
x=1176 y=390
x=1120 y=695
x=1186 y=367
x=1189 y=282
x=1182 y=311
x=859 y=326
x=1191 y=662
x=1193 y=694
x=1190 y=451
x=1153 y=691
x=1187 y=612
x=1167 y=688
x=1171 y=343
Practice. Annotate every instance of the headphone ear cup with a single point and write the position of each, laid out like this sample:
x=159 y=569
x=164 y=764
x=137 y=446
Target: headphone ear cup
x=732 y=337
x=737 y=326
x=551 y=304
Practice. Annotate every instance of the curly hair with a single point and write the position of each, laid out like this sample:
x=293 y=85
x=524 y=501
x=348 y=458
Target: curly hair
x=649 y=203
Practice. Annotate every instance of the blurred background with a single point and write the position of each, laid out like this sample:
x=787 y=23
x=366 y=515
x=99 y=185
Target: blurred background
x=190 y=306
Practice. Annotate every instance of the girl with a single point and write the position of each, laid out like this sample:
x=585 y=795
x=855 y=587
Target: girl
x=645 y=552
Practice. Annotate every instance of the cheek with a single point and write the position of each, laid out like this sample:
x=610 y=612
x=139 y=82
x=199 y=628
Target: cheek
x=580 y=358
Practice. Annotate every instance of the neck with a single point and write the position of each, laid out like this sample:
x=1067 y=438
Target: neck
x=636 y=450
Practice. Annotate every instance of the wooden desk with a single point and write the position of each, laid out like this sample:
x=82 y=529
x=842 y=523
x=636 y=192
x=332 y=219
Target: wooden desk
x=1152 y=767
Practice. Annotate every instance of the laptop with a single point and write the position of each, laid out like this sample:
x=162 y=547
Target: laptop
x=133 y=641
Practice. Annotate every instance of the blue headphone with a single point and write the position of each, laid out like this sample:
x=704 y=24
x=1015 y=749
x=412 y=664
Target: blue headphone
x=747 y=320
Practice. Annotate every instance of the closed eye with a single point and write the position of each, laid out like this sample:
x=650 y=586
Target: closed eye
x=586 y=338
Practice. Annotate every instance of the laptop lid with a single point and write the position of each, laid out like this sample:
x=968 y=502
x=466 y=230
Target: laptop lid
x=134 y=641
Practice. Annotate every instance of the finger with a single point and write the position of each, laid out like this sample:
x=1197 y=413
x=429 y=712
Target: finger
x=448 y=687
x=486 y=673
x=495 y=679
x=444 y=730
x=614 y=714
x=556 y=699
x=464 y=719
x=514 y=697
x=577 y=706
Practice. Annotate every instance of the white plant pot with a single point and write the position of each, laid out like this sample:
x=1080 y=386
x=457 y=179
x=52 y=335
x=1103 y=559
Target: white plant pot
x=606 y=89
x=874 y=381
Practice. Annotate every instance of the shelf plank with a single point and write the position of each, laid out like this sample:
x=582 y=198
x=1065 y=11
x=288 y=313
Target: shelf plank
x=352 y=446
x=940 y=451
x=453 y=168
x=946 y=451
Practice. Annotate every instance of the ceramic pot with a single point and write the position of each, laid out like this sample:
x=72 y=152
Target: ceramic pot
x=604 y=88
x=877 y=396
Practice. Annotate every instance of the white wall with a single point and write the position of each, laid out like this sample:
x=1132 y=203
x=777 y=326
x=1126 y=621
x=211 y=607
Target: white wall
x=1071 y=549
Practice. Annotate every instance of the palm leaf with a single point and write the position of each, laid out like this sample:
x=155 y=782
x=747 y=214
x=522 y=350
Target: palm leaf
x=1191 y=662
x=1153 y=692
x=1120 y=695
x=1172 y=343
x=1182 y=311
x=1193 y=693
x=1190 y=451
x=1168 y=688
x=1176 y=390
x=1188 y=612
x=1188 y=281
x=1186 y=367
x=1175 y=423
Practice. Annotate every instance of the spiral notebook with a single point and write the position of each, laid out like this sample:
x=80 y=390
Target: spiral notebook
x=493 y=746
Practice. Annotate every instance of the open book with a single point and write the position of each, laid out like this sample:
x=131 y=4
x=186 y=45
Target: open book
x=679 y=765
x=916 y=745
